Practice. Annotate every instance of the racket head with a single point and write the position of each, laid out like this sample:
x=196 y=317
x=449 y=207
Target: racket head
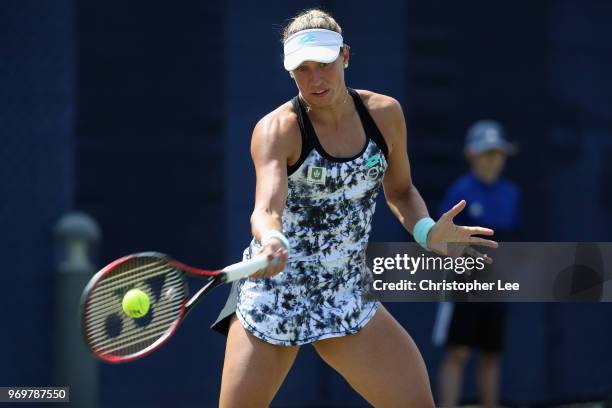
x=113 y=336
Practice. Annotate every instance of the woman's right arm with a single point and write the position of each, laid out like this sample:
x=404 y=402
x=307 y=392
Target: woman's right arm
x=271 y=146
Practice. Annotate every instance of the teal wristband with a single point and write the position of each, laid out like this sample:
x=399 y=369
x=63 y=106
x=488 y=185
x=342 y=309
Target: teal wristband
x=421 y=230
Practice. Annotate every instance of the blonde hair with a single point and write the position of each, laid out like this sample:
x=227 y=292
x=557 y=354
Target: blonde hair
x=308 y=19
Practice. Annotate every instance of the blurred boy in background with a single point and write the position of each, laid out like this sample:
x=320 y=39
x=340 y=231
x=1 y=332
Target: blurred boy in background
x=463 y=327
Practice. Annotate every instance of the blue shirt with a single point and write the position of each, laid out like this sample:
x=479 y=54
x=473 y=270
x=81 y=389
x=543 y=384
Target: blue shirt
x=495 y=206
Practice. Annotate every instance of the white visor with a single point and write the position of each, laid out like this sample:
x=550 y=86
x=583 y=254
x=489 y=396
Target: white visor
x=312 y=45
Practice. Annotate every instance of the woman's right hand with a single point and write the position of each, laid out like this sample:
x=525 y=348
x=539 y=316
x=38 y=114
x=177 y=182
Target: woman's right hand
x=277 y=259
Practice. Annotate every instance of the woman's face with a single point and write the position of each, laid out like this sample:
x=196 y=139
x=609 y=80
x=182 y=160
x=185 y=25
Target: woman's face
x=322 y=84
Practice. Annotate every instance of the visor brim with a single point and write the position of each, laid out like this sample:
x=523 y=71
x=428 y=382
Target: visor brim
x=320 y=53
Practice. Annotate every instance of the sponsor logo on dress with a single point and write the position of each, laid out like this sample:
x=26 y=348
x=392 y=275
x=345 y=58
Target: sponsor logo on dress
x=372 y=165
x=373 y=161
x=316 y=174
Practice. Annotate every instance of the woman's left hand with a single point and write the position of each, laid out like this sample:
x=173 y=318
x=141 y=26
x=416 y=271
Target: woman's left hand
x=446 y=238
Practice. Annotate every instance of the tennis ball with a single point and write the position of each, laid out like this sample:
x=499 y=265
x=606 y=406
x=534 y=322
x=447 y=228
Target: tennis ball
x=135 y=303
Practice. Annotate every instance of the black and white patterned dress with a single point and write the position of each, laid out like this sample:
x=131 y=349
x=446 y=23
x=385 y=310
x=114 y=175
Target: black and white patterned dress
x=327 y=219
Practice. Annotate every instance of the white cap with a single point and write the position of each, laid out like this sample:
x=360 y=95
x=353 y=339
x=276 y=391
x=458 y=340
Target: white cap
x=312 y=45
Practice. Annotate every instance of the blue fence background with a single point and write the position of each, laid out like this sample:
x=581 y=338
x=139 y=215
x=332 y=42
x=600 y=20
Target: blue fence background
x=140 y=113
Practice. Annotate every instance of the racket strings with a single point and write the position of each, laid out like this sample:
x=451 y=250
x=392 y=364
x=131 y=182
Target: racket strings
x=140 y=339
x=112 y=283
x=98 y=325
x=109 y=330
x=106 y=299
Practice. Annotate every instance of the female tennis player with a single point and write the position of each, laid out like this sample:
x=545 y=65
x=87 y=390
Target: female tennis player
x=320 y=160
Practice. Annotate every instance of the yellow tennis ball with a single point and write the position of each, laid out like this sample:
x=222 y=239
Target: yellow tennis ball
x=135 y=303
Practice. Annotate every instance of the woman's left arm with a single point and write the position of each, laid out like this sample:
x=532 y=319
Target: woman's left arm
x=402 y=196
x=405 y=201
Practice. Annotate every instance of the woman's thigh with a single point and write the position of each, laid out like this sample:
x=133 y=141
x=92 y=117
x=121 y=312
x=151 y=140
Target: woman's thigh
x=381 y=362
x=253 y=370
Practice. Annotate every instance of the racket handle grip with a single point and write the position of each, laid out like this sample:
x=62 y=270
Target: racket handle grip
x=245 y=268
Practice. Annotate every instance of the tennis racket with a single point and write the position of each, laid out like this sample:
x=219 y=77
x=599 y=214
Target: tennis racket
x=115 y=337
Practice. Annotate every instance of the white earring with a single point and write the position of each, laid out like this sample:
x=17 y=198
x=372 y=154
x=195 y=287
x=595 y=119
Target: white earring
x=345 y=65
